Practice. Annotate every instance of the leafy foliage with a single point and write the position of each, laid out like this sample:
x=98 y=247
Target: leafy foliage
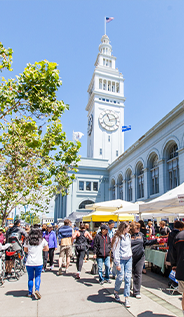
x=35 y=155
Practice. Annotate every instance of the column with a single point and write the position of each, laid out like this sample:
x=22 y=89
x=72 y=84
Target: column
x=124 y=190
x=146 y=184
x=162 y=177
x=134 y=188
x=116 y=191
x=181 y=165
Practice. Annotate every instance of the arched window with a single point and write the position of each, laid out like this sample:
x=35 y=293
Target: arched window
x=109 y=85
x=104 y=85
x=129 y=185
x=173 y=166
x=84 y=203
x=100 y=83
x=140 y=181
x=154 y=175
x=112 y=189
x=120 y=187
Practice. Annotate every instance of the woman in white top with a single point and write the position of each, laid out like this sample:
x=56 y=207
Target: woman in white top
x=34 y=246
x=121 y=247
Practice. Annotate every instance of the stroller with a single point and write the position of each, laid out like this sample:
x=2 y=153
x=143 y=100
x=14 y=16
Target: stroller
x=173 y=283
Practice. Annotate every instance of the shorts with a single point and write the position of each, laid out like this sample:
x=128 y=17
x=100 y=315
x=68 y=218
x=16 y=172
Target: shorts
x=181 y=286
x=65 y=250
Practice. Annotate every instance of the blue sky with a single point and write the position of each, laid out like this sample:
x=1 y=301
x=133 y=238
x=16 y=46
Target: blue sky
x=147 y=38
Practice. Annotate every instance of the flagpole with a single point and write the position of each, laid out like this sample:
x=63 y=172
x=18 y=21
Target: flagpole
x=105 y=24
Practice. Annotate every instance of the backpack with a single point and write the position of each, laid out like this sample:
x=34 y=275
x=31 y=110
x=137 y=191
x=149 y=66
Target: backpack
x=81 y=242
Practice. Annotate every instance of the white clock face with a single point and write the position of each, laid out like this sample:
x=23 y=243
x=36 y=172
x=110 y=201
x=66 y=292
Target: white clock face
x=109 y=120
x=90 y=124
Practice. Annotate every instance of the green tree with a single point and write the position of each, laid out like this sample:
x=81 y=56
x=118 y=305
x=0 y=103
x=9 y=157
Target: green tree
x=35 y=155
x=36 y=220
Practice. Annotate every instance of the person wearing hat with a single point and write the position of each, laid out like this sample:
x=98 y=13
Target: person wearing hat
x=102 y=247
x=50 y=237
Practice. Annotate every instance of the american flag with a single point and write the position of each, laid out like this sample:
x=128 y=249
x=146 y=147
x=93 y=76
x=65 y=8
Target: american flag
x=109 y=19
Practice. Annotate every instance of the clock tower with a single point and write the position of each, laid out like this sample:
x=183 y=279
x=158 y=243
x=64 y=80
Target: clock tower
x=105 y=106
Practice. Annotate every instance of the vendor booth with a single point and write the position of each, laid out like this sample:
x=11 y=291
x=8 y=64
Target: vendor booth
x=97 y=217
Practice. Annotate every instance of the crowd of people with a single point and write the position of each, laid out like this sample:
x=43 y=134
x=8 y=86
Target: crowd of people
x=121 y=251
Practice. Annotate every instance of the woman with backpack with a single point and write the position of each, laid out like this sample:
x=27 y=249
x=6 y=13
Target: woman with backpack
x=81 y=245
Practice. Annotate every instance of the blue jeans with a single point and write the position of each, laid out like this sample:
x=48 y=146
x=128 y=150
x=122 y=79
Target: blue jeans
x=100 y=262
x=126 y=273
x=34 y=271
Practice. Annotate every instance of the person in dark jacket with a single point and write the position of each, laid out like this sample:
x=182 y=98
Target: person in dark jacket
x=178 y=226
x=138 y=242
x=144 y=231
x=102 y=247
x=82 y=236
x=177 y=261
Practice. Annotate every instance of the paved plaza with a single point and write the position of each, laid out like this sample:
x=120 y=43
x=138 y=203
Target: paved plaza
x=64 y=296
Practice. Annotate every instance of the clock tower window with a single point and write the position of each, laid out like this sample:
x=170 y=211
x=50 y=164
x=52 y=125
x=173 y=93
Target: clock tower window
x=104 y=85
x=113 y=86
x=100 y=83
x=109 y=138
x=100 y=151
x=104 y=62
x=109 y=86
x=117 y=87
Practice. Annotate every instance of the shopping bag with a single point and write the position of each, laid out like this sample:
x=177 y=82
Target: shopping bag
x=94 y=269
x=172 y=276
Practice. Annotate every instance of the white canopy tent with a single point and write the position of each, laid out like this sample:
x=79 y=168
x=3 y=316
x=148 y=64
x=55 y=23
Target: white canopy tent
x=169 y=203
x=110 y=205
x=130 y=208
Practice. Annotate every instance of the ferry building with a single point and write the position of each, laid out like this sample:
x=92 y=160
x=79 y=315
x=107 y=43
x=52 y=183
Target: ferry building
x=150 y=167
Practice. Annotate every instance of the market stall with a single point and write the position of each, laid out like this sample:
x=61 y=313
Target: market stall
x=156 y=257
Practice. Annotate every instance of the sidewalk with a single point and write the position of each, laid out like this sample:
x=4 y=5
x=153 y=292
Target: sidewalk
x=64 y=296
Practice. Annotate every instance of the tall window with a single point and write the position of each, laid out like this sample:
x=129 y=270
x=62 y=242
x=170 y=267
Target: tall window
x=154 y=176
x=104 y=85
x=173 y=167
x=100 y=151
x=113 y=86
x=140 y=181
x=117 y=87
x=100 y=83
x=109 y=86
x=112 y=189
x=129 y=186
x=120 y=187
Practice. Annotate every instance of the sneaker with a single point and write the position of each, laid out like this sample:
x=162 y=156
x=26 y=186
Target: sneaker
x=29 y=295
x=60 y=271
x=108 y=281
x=77 y=276
x=127 y=303
x=102 y=282
x=43 y=270
x=52 y=266
x=113 y=277
x=37 y=294
x=138 y=296
x=116 y=296
x=66 y=271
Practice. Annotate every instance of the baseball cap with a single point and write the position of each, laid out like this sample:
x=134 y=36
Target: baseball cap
x=104 y=227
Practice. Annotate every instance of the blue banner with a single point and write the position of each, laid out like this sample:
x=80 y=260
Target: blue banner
x=126 y=128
